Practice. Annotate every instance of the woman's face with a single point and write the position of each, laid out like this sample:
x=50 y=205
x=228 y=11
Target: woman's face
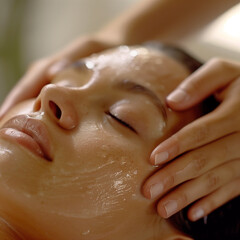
x=73 y=160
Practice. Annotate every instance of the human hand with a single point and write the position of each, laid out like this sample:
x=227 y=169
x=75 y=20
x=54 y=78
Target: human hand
x=205 y=154
x=40 y=73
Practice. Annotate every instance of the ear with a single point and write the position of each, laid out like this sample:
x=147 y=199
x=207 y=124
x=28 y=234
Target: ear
x=168 y=232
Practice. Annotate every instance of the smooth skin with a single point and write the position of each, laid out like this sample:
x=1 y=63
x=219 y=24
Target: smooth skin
x=206 y=143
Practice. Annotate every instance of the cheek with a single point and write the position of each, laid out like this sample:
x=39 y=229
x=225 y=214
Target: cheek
x=102 y=174
x=98 y=174
x=93 y=182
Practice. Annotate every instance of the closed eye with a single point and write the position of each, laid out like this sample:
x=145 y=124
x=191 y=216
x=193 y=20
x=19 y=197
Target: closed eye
x=121 y=122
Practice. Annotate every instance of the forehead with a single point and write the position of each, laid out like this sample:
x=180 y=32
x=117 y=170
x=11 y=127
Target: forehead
x=148 y=67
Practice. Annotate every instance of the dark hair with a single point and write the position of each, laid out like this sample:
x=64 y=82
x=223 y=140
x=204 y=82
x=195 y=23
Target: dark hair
x=224 y=222
x=176 y=53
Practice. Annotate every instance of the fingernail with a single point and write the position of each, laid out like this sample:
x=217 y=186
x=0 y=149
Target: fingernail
x=178 y=96
x=161 y=157
x=171 y=207
x=58 y=66
x=156 y=189
x=198 y=213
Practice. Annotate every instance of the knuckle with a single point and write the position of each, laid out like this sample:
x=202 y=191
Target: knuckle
x=182 y=199
x=212 y=181
x=199 y=162
x=216 y=61
x=169 y=181
x=220 y=63
x=200 y=134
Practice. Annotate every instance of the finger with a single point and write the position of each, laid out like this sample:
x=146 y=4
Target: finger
x=204 y=130
x=85 y=46
x=212 y=76
x=214 y=200
x=195 y=189
x=28 y=86
x=81 y=48
x=232 y=91
x=192 y=165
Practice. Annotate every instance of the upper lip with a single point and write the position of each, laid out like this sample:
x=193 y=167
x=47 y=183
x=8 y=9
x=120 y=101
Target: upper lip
x=34 y=128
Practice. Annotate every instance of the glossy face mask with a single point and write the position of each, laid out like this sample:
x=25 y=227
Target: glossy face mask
x=104 y=115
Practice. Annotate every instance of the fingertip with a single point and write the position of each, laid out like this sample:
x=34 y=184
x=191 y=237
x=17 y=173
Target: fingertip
x=152 y=159
x=165 y=151
x=174 y=105
x=179 y=100
x=190 y=215
x=161 y=210
x=159 y=156
x=178 y=96
x=195 y=214
x=146 y=191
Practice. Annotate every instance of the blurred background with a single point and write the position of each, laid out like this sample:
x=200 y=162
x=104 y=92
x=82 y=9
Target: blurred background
x=31 y=29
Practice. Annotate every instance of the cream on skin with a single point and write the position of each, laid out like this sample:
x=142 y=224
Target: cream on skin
x=103 y=117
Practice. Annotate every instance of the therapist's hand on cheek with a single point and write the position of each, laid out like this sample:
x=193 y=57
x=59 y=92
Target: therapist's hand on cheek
x=203 y=158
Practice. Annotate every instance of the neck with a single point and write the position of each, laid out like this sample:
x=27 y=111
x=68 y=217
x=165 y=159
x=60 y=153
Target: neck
x=7 y=232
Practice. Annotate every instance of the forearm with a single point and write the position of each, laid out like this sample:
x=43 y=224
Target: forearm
x=169 y=20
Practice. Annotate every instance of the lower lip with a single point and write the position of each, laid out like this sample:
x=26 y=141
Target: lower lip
x=23 y=139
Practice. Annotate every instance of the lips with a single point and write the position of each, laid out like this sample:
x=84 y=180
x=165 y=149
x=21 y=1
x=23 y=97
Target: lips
x=30 y=133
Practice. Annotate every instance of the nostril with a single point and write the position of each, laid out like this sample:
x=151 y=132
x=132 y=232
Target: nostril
x=55 y=109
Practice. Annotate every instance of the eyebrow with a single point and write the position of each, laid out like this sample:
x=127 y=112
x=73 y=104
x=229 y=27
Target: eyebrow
x=134 y=87
x=131 y=87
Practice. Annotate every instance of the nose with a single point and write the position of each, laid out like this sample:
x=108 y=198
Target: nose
x=58 y=103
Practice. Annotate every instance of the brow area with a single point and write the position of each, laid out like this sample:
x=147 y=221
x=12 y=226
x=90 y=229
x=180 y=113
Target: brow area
x=136 y=88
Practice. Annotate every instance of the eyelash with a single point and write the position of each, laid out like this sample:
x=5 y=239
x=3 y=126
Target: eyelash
x=121 y=122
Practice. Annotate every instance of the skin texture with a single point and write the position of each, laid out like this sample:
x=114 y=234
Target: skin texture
x=90 y=188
